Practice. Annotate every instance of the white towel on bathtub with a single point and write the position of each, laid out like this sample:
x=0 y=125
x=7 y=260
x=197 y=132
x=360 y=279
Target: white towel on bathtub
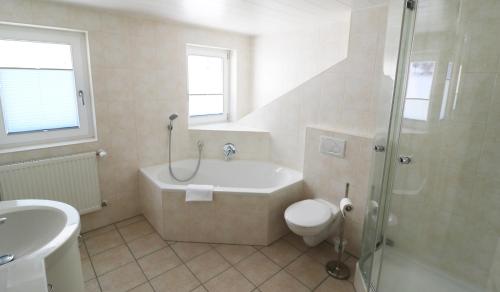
x=202 y=193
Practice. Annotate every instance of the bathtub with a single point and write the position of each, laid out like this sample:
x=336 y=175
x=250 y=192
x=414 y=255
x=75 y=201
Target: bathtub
x=250 y=198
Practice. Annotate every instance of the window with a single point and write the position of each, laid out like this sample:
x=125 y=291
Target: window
x=208 y=84
x=418 y=91
x=45 y=96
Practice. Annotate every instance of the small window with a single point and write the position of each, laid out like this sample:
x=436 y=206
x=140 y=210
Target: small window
x=45 y=96
x=418 y=91
x=208 y=84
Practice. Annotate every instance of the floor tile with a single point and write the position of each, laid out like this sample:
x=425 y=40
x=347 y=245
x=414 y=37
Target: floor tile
x=98 y=231
x=297 y=242
x=92 y=286
x=179 y=279
x=135 y=230
x=102 y=242
x=307 y=271
x=257 y=268
x=281 y=252
x=83 y=251
x=229 y=281
x=323 y=253
x=351 y=263
x=146 y=245
x=129 y=221
x=234 y=253
x=188 y=250
x=283 y=282
x=200 y=289
x=146 y=287
x=87 y=270
x=332 y=284
x=207 y=265
x=159 y=262
x=111 y=259
x=122 y=279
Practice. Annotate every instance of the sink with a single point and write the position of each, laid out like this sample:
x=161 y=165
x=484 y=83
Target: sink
x=27 y=230
x=42 y=237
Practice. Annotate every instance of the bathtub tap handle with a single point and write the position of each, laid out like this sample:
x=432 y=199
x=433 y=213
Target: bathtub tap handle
x=229 y=151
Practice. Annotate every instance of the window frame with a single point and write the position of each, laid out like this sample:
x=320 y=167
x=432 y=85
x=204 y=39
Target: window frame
x=86 y=131
x=225 y=54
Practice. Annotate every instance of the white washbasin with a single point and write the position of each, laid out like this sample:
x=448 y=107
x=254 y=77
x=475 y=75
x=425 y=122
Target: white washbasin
x=32 y=230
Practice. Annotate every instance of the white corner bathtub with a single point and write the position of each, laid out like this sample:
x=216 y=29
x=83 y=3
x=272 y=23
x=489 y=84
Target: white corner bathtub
x=249 y=200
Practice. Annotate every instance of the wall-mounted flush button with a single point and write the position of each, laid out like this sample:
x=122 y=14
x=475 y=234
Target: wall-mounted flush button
x=332 y=146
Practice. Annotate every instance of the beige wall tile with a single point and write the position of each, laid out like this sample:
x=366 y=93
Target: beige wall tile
x=137 y=66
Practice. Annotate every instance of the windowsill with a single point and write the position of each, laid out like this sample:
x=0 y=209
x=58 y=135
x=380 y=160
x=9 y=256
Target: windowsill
x=47 y=145
x=228 y=127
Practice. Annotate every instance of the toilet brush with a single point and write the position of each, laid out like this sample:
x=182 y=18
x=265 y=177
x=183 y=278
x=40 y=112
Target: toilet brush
x=337 y=268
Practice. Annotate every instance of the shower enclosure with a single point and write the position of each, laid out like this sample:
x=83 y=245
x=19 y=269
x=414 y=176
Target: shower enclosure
x=433 y=220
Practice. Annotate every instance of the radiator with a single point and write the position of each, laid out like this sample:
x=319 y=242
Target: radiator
x=70 y=179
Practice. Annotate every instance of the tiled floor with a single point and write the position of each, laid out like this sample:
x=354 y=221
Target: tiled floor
x=131 y=256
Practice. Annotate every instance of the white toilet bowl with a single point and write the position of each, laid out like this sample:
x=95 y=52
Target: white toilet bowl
x=314 y=220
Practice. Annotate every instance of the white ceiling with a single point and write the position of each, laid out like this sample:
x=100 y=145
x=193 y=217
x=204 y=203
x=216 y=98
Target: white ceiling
x=245 y=16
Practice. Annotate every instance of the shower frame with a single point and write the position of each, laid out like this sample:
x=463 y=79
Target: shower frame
x=370 y=278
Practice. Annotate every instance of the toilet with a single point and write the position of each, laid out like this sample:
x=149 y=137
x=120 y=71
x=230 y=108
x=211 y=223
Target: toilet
x=314 y=220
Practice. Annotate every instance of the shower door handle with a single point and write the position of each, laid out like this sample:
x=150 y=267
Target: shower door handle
x=405 y=159
x=379 y=148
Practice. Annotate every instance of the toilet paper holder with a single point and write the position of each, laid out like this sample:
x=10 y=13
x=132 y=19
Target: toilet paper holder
x=336 y=268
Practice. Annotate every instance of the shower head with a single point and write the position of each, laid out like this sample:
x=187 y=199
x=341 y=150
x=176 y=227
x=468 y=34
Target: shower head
x=172 y=117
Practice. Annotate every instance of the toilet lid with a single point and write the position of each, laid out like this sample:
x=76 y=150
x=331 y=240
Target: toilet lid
x=308 y=213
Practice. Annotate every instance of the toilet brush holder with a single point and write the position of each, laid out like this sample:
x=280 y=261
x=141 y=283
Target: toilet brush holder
x=337 y=268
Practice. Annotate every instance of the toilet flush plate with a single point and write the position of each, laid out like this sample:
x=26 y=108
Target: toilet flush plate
x=332 y=146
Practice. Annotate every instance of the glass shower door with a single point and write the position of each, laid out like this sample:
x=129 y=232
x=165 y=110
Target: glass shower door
x=444 y=178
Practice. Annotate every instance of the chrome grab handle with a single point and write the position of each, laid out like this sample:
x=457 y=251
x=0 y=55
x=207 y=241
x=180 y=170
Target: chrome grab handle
x=2 y=220
x=405 y=159
x=379 y=148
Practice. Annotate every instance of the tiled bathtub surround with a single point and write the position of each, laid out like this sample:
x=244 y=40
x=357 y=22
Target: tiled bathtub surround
x=138 y=261
x=139 y=78
x=236 y=218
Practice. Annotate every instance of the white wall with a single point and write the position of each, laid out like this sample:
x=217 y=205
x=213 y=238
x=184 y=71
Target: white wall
x=340 y=98
x=283 y=61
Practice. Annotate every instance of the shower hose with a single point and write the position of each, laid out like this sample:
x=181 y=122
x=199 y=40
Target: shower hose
x=200 y=148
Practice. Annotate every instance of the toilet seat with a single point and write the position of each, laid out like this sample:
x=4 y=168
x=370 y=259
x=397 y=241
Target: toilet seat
x=308 y=213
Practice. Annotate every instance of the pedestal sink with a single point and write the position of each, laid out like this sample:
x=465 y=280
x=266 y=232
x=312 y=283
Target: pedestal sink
x=39 y=243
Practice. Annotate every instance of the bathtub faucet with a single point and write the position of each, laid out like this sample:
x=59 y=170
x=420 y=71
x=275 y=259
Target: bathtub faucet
x=229 y=151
